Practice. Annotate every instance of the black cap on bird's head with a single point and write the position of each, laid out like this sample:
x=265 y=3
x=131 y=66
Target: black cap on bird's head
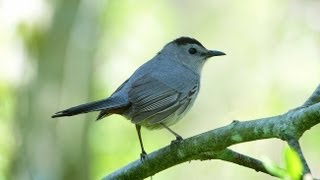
x=187 y=40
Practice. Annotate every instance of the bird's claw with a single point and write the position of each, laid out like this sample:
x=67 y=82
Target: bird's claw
x=177 y=140
x=143 y=156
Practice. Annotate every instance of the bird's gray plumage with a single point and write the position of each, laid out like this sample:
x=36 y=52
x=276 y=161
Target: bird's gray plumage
x=161 y=90
x=158 y=93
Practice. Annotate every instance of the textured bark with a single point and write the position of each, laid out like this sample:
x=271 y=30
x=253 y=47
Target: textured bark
x=213 y=144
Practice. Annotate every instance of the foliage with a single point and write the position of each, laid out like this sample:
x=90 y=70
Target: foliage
x=292 y=165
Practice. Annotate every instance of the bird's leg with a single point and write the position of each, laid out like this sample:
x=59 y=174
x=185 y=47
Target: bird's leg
x=143 y=154
x=178 y=137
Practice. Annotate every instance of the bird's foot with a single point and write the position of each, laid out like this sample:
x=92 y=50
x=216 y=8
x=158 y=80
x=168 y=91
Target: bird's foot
x=177 y=140
x=143 y=156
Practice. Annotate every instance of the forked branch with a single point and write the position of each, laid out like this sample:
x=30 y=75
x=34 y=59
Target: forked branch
x=214 y=144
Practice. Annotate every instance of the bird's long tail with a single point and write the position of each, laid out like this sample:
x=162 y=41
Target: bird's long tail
x=105 y=104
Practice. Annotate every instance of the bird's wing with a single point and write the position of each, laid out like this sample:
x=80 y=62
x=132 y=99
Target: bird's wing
x=177 y=109
x=151 y=97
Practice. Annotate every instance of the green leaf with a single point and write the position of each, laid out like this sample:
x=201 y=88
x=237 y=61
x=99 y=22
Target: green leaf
x=273 y=168
x=293 y=163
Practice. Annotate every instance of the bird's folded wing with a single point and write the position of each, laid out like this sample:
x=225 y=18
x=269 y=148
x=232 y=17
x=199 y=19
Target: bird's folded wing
x=149 y=96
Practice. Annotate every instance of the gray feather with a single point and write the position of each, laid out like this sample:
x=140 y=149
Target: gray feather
x=149 y=96
x=112 y=102
x=164 y=114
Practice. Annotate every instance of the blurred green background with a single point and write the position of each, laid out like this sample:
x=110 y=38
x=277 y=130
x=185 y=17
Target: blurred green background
x=55 y=54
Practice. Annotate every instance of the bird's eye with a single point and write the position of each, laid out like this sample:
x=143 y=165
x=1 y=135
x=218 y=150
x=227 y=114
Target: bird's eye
x=192 y=50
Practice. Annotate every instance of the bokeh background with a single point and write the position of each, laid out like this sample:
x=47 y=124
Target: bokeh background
x=55 y=54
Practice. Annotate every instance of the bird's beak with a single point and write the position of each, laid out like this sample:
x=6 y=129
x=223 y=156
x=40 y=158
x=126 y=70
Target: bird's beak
x=212 y=53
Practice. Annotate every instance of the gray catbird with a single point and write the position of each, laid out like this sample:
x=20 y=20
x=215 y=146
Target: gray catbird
x=160 y=92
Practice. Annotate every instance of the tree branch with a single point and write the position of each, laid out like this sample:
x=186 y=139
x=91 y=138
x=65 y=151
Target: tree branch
x=236 y=158
x=214 y=143
x=294 y=144
x=314 y=98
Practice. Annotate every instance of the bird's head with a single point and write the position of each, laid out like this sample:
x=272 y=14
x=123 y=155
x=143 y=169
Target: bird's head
x=190 y=52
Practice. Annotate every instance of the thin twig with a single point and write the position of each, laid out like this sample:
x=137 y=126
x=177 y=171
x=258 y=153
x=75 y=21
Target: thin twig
x=294 y=144
x=236 y=158
x=314 y=98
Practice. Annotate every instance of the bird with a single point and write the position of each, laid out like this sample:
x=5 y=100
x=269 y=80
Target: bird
x=159 y=93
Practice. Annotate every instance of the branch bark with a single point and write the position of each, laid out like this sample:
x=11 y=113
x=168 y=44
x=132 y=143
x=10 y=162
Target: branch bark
x=314 y=98
x=236 y=158
x=296 y=146
x=213 y=144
